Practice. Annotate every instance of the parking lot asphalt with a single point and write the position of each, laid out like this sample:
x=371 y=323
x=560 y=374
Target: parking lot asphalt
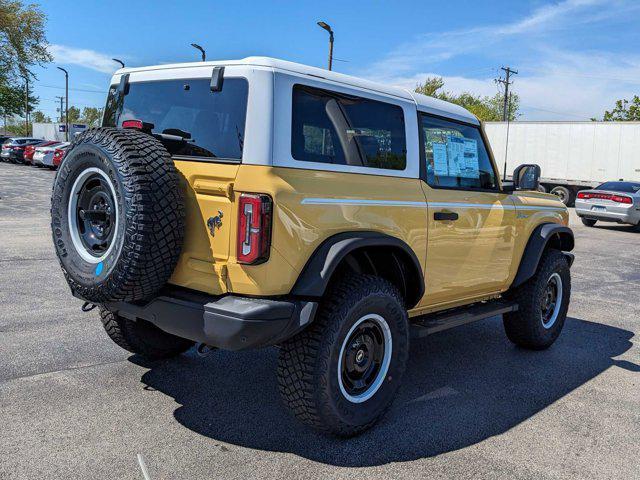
x=74 y=405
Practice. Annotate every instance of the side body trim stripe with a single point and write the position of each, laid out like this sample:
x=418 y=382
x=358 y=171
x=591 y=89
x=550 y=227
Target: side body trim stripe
x=400 y=203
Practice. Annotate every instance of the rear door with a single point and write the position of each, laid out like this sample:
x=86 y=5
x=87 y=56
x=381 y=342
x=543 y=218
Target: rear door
x=471 y=232
x=204 y=132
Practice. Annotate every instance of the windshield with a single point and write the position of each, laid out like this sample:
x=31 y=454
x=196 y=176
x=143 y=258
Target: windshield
x=186 y=115
x=626 y=187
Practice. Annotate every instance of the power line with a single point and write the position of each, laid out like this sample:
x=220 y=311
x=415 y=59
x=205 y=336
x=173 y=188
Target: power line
x=103 y=92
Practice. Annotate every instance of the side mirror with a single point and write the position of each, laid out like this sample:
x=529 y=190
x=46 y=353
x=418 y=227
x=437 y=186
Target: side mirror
x=527 y=177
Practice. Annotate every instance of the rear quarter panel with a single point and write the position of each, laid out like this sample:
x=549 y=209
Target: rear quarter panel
x=300 y=227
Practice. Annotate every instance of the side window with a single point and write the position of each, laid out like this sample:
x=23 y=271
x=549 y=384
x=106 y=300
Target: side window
x=330 y=127
x=456 y=155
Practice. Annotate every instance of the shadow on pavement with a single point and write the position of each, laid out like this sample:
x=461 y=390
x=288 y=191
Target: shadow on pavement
x=461 y=387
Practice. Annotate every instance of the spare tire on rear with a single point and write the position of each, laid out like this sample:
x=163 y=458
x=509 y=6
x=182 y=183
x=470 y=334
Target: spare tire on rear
x=117 y=215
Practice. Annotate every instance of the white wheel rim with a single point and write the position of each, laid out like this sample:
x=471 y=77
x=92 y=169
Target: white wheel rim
x=73 y=221
x=386 y=361
x=556 y=311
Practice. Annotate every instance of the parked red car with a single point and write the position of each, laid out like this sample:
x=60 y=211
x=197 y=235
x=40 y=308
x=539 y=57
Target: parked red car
x=58 y=155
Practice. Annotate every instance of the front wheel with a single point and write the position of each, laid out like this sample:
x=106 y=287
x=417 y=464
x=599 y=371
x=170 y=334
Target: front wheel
x=587 y=222
x=543 y=302
x=342 y=373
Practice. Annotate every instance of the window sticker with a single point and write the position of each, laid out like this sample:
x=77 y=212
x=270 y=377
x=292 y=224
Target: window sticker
x=440 y=165
x=462 y=156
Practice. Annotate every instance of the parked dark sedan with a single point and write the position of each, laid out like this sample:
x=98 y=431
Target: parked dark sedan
x=13 y=149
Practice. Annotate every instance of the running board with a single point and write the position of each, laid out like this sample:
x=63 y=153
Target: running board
x=440 y=321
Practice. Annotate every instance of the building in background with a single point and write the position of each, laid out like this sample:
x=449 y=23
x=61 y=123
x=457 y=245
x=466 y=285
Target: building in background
x=572 y=155
x=56 y=131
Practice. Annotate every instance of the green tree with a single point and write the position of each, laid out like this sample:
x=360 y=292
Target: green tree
x=91 y=116
x=12 y=100
x=624 y=111
x=39 y=117
x=484 y=107
x=74 y=115
x=23 y=43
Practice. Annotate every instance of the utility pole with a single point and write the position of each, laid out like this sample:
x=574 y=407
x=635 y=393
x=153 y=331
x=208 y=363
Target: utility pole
x=506 y=82
x=61 y=108
x=506 y=109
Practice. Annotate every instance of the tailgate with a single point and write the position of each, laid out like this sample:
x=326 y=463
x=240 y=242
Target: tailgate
x=208 y=191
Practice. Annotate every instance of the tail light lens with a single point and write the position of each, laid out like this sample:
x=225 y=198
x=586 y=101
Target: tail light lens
x=254 y=228
x=58 y=155
x=606 y=196
x=621 y=199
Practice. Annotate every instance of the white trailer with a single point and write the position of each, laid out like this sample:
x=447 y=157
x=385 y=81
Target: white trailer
x=572 y=155
x=56 y=131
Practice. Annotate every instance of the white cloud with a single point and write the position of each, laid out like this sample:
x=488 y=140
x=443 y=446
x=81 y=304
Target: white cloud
x=552 y=83
x=566 y=85
x=84 y=57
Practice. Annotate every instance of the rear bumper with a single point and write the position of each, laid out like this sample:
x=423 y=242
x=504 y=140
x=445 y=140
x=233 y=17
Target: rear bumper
x=12 y=157
x=229 y=322
x=618 y=214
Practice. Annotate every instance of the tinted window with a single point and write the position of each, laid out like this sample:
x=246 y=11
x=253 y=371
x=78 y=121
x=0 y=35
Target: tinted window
x=329 y=127
x=456 y=155
x=627 y=187
x=188 y=117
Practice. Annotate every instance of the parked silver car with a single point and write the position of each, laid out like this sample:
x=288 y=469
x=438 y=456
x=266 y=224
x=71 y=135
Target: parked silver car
x=43 y=156
x=610 y=202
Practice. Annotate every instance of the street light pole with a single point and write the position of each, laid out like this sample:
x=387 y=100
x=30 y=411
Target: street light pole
x=118 y=61
x=198 y=47
x=327 y=27
x=66 y=100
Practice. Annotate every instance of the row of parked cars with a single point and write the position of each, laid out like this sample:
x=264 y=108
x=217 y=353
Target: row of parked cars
x=33 y=151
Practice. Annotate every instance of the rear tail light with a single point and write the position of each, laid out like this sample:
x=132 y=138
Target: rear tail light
x=605 y=196
x=254 y=228
x=621 y=199
x=58 y=155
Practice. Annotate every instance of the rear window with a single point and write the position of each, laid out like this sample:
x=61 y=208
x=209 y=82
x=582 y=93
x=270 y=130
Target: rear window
x=330 y=127
x=186 y=115
x=626 y=187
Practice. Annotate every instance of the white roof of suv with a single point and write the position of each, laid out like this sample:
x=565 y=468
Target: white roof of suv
x=423 y=102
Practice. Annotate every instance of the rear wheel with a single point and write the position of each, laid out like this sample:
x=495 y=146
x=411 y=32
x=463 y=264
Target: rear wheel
x=142 y=337
x=342 y=373
x=588 y=222
x=543 y=302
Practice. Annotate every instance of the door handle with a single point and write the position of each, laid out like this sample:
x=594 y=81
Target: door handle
x=444 y=216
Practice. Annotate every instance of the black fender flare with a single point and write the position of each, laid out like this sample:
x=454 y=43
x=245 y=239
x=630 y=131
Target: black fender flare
x=538 y=241
x=316 y=274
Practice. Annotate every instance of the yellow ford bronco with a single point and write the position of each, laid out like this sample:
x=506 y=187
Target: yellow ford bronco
x=259 y=202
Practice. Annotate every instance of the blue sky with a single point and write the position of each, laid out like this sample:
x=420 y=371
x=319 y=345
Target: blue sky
x=574 y=57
